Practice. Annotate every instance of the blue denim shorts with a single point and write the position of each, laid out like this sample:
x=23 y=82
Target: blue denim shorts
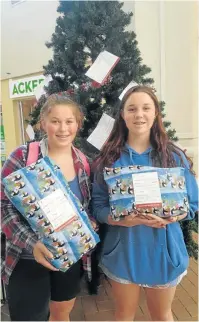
x=123 y=281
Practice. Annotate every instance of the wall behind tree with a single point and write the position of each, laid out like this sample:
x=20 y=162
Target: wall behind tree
x=25 y=27
x=167 y=32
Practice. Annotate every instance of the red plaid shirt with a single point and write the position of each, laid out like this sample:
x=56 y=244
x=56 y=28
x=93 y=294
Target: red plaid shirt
x=18 y=233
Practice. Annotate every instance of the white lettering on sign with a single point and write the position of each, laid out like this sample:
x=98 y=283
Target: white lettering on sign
x=25 y=87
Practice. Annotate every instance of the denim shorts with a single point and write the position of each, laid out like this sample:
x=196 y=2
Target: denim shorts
x=123 y=281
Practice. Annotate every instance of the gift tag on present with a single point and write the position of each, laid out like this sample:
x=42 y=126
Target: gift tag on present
x=147 y=190
x=102 y=66
x=57 y=209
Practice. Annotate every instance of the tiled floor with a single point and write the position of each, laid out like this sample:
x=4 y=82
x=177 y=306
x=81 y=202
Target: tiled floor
x=100 y=307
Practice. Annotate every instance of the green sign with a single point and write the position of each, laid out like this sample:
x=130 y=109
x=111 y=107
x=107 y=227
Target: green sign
x=2 y=143
x=2 y=136
x=3 y=158
x=25 y=87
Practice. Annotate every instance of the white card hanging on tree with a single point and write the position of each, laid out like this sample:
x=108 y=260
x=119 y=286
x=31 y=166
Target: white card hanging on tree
x=30 y=132
x=130 y=85
x=102 y=131
x=102 y=67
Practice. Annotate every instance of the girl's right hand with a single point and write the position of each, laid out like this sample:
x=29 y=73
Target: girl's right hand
x=40 y=253
x=135 y=220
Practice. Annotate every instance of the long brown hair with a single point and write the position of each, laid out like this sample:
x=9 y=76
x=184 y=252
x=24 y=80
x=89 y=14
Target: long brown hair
x=163 y=148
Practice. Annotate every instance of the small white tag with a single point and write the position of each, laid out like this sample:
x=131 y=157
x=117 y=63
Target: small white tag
x=30 y=132
x=101 y=133
x=57 y=209
x=147 y=190
x=130 y=85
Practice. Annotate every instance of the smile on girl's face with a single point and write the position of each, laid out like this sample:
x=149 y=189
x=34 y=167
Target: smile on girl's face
x=139 y=113
x=61 y=126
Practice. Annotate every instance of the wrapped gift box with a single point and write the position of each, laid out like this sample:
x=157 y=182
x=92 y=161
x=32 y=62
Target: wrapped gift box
x=42 y=195
x=172 y=185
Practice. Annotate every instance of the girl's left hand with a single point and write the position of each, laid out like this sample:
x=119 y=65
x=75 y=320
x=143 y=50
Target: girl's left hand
x=161 y=220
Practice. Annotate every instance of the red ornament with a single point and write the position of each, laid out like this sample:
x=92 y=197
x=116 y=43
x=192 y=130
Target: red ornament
x=85 y=86
x=70 y=91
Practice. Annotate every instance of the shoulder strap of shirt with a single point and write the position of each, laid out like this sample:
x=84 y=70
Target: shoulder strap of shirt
x=32 y=152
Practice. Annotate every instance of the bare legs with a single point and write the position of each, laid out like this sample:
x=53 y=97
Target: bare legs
x=159 y=303
x=60 y=311
x=126 y=297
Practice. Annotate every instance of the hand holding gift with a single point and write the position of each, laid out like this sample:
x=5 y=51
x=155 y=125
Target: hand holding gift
x=135 y=220
x=40 y=253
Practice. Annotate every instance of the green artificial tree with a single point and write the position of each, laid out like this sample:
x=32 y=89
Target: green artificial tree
x=83 y=30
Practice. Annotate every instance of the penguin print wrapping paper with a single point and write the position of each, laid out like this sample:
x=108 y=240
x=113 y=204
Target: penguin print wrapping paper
x=42 y=195
x=172 y=185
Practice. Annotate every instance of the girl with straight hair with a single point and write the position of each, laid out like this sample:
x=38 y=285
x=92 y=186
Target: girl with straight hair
x=142 y=251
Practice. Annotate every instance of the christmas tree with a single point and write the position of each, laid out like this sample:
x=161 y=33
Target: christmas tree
x=84 y=29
